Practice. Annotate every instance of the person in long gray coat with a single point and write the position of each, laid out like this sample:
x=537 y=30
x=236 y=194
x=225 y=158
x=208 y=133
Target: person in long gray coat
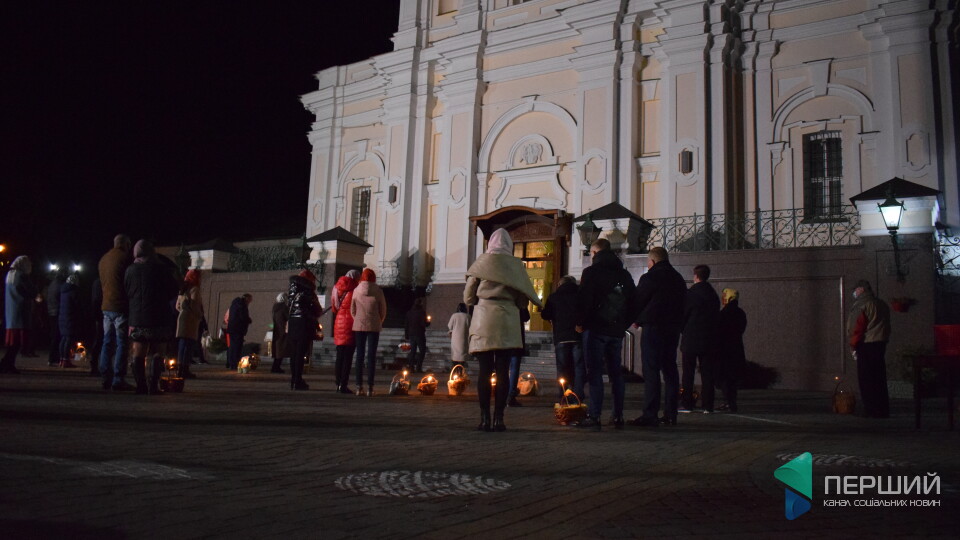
x=498 y=285
x=18 y=304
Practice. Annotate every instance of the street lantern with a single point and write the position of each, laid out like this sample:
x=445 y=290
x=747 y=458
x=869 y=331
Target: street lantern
x=303 y=250
x=589 y=233
x=891 y=210
x=183 y=260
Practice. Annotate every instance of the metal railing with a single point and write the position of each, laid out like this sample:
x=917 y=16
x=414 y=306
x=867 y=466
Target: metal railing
x=768 y=229
x=261 y=259
x=947 y=257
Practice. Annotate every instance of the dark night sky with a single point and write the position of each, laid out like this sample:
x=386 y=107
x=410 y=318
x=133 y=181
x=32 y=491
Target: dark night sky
x=179 y=121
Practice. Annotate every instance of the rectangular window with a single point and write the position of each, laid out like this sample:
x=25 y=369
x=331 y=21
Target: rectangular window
x=822 y=175
x=360 y=216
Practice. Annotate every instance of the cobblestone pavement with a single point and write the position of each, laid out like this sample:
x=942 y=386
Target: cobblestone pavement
x=242 y=456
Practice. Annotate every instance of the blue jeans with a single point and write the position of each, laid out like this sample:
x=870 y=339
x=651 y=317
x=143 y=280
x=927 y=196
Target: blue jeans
x=185 y=348
x=514 y=375
x=600 y=351
x=570 y=366
x=658 y=349
x=114 y=343
x=366 y=348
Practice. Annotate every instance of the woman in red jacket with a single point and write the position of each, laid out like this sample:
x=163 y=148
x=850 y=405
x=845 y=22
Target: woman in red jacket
x=343 y=328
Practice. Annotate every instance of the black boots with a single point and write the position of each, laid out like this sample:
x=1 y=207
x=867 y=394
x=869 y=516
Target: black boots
x=153 y=381
x=498 y=424
x=276 y=365
x=296 y=375
x=484 y=420
x=140 y=375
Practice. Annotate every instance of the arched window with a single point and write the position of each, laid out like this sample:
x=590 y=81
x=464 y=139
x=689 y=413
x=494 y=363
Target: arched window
x=822 y=175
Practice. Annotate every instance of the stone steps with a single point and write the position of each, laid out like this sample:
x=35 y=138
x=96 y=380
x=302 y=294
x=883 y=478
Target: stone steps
x=541 y=362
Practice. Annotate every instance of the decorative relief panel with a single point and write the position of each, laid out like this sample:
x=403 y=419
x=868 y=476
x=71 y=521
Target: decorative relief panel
x=316 y=212
x=917 y=152
x=458 y=187
x=530 y=150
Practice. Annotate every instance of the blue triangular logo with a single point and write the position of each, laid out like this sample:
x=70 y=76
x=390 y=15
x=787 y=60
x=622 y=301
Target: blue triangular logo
x=795 y=505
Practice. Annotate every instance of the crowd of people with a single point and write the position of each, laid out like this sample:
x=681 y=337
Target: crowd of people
x=144 y=309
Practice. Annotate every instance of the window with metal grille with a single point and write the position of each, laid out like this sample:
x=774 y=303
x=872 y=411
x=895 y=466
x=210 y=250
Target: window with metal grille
x=822 y=175
x=360 y=217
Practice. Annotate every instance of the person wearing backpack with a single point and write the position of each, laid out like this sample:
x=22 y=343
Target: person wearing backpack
x=605 y=311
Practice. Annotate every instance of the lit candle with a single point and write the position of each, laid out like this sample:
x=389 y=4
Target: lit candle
x=562 y=381
x=429 y=318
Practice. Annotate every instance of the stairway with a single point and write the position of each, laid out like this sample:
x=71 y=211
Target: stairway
x=541 y=362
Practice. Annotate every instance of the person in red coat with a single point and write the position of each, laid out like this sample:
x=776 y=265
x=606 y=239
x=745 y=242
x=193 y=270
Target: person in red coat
x=343 y=328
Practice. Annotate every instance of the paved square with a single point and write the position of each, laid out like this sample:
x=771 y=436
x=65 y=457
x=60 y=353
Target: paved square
x=242 y=456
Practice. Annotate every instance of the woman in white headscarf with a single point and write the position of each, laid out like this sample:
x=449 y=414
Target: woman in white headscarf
x=18 y=303
x=498 y=285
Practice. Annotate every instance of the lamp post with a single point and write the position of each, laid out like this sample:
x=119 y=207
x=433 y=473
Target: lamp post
x=891 y=209
x=303 y=250
x=183 y=260
x=589 y=233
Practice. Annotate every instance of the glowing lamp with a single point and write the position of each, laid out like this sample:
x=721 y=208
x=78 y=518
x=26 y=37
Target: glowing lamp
x=458 y=380
x=528 y=385
x=170 y=381
x=400 y=385
x=428 y=385
x=892 y=210
x=248 y=363
x=570 y=409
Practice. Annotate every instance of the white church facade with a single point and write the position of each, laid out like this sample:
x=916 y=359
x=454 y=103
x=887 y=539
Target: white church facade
x=667 y=107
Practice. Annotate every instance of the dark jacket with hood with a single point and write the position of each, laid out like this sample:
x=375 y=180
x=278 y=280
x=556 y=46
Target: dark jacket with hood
x=598 y=282
x=561 y=311
x=305 y=309
x=239 y=319
x=701 y=314
x=661 y=293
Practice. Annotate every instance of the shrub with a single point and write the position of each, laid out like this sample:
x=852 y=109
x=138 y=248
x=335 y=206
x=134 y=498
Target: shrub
x=217 y=346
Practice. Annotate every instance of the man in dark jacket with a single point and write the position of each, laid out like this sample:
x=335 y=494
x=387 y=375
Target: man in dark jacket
x=57 y=278
x=701 y=312
x=868 y=329
x=69 y=318
x=605 y=307
x=152 y=291
x=238 y=321
x=415 y=331
x=660 y=296
x=112 y=269
x=561 y=310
